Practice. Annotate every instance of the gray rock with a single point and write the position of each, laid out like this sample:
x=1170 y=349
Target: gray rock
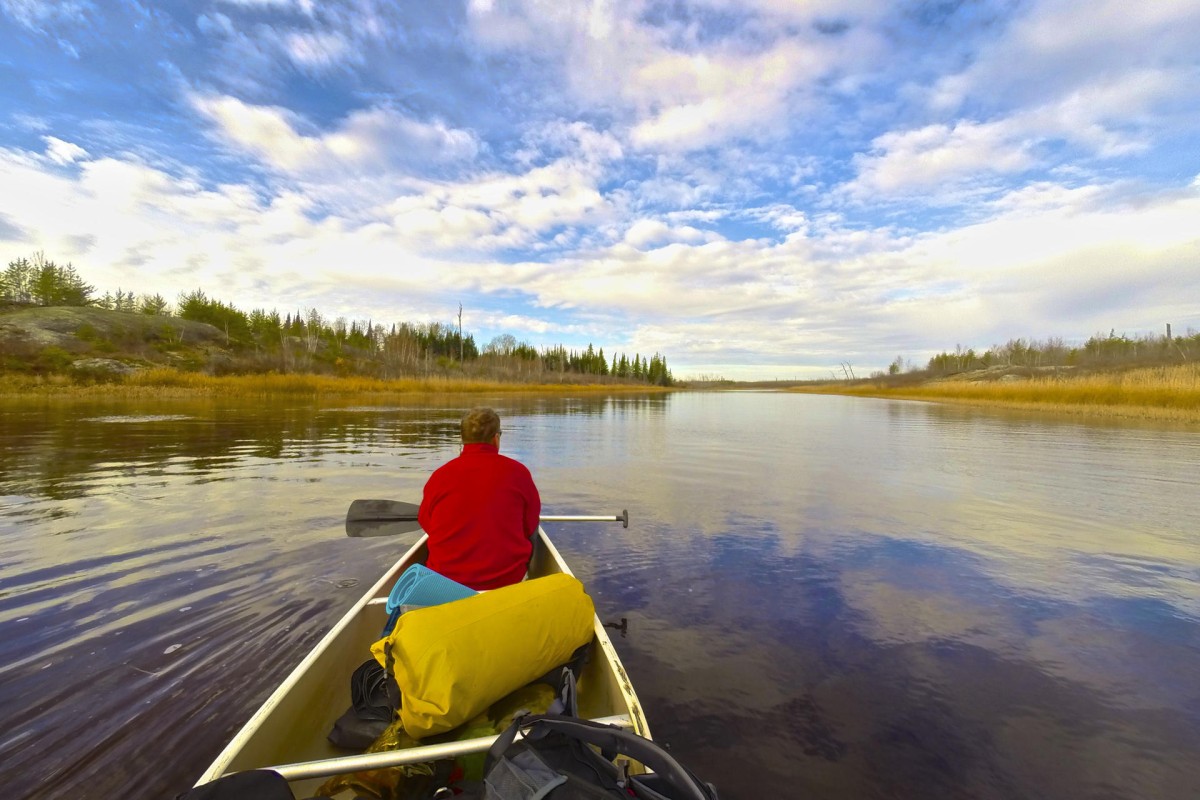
x=105 y=365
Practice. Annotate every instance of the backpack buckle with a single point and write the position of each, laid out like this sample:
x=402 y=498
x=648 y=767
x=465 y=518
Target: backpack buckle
x=622 y=772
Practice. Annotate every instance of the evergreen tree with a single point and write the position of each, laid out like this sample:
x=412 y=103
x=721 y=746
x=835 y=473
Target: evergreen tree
x=197 y=306
x=16 y=283
x=154 y=304
x=44 y=283
x=60 y=286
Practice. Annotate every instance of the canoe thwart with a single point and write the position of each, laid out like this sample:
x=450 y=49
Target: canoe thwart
x=328 y=767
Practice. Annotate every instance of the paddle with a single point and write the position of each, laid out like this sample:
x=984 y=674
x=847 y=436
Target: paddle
x=391 y=517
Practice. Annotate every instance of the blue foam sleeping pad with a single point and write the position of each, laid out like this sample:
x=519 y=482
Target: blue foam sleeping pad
x=421 y=586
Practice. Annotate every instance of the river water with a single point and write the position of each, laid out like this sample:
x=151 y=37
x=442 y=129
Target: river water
x=826 y=597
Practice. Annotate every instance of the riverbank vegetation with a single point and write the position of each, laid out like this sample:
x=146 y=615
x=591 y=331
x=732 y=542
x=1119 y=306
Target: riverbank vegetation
x=169 y=382
x=1148 y=377
x=53 y=324
x=1111 y=351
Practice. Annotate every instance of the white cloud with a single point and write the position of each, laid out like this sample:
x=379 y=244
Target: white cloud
x=259 y=49
x=692 y=101
x=37 y=14
x=652 y=233
x=683 y=91
x=782 y=217
x=937 y=155
x=572 y=138
x=53 y=18
x=215 y=24
x=61 y=152
x=368 y=140
x=500 y=210
x=1041 y=224
x=319 y=50
x=154 y=232
x=303 y=6
x=1054 y=49
x=1061 y=26
x=647 y=231
x=523 y=325
x=1096 y=117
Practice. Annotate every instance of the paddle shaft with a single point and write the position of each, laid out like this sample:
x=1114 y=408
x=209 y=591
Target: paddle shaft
x=397 y=511
x=413 y=518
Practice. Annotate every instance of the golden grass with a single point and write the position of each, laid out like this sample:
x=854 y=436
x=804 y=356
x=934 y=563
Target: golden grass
x=165 y=382
x=1163 y=393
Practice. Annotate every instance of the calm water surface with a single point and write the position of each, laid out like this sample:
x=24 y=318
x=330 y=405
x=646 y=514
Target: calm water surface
x=826 y=597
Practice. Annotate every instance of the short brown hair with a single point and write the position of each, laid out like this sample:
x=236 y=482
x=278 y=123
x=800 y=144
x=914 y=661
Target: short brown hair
x=480 y=425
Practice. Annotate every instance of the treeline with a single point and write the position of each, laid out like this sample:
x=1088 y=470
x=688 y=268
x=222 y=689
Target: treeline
x=1098 y=351
x=308 y=341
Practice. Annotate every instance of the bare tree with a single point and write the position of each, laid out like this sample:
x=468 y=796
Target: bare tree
x=312 y=329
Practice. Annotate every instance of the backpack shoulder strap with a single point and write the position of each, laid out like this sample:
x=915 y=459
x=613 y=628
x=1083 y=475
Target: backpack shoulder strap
x=567 y=702
x=610 y=739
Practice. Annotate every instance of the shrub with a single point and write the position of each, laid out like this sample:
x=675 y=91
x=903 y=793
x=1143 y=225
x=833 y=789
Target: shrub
x=52 y=359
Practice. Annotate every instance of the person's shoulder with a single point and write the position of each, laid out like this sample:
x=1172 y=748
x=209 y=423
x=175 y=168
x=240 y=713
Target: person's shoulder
x=512 y=463
x=449 y=466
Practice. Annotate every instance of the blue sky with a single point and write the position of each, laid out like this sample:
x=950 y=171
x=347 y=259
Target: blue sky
x=754 y=188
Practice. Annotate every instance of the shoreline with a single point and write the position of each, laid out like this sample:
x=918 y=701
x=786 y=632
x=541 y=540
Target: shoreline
x=1139 y=413
x=167 y=383
x=1165 y=394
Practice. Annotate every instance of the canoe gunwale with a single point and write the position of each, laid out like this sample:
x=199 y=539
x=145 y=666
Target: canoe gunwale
x=625 y=685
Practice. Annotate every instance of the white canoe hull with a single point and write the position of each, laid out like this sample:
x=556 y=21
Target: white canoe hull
x=288 y=733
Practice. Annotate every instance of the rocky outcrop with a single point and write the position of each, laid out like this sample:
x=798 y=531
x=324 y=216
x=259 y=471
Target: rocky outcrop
x=60 y=325
x=100 y=342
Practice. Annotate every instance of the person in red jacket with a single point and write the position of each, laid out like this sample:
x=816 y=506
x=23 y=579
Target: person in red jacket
x=480 y=510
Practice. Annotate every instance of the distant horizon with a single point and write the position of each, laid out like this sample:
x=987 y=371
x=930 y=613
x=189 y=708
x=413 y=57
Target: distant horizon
x=761 y=189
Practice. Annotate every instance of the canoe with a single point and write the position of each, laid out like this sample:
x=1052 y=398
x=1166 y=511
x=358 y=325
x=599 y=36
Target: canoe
x=288 y=733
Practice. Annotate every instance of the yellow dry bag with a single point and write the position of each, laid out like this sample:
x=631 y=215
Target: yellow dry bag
x=454 y=660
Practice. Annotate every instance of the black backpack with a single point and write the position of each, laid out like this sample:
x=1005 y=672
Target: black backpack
x=556 y=760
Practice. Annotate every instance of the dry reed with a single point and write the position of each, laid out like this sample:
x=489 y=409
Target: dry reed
x=1165 y=392
x=165 y=382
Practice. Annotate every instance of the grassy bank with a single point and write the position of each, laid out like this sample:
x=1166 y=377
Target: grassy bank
x=164 y=382
x=1160 y=393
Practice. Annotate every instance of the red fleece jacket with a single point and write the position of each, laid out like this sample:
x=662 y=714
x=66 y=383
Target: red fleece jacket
x=480 y=511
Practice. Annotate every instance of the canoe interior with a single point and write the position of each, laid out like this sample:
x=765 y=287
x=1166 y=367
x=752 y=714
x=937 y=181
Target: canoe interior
x=292 y=725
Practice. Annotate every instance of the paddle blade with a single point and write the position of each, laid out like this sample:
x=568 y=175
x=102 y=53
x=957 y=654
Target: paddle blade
x=363 y=510
x=365 y=528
